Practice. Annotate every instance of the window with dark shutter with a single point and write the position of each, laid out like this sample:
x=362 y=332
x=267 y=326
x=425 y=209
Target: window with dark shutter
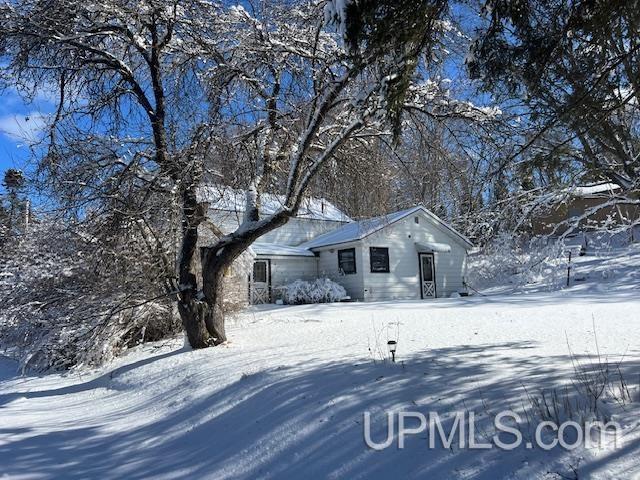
x=379 y=257
x=347 y=260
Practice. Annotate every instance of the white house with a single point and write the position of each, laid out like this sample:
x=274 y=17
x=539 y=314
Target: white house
x=410 y=254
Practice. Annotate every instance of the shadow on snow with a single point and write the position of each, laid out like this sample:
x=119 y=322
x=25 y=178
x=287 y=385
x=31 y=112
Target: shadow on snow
x=298 y=422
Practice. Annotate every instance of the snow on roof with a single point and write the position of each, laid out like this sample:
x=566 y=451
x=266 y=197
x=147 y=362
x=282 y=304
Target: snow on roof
x=280 y=250
x=355 y=230
x=233 y=200
x=596 y=188
x=359 y=230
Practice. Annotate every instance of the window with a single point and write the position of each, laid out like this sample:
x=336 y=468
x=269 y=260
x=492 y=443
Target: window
x=260 y=272
x=427 y=267
x=347 y=260
x=379 y=258
x=416 y=219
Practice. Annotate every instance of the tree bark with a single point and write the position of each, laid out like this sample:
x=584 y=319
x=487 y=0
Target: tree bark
x=193 y=310
x=203 y=319
x=215 y=263
x=214 y=319
x=193 y=314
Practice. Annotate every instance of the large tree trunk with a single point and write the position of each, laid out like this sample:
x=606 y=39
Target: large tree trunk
x=202 y=312
x=214 y=318
x=215 y=263
x=203 y=319
x=193 y=311
x=193 y=314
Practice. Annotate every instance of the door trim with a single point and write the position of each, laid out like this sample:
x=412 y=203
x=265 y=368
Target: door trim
x=268 y=282
x=433 y=272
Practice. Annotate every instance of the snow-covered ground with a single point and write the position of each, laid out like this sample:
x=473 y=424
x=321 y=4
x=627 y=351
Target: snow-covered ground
x=285 y=398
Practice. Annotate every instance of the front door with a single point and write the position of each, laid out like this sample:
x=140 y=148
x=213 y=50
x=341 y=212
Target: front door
x=427 y=276
x=260 y=282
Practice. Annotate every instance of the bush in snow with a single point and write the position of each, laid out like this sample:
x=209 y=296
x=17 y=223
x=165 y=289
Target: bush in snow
x=321 y=290
x=65 y=301
x=508 y=259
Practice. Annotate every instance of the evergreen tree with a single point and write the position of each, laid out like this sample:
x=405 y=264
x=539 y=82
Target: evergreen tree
x=11 y=214
x=576 y=66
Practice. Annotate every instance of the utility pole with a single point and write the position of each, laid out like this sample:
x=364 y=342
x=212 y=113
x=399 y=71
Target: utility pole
x=27 y=213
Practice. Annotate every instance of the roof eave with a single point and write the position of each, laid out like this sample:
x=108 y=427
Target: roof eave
x=457 y=235
x=285 y=255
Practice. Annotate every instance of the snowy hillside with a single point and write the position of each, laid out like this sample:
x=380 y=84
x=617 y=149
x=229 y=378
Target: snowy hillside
x=285 y=398
x=601 y=269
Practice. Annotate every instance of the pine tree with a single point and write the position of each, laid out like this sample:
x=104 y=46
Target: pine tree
x=14 y=184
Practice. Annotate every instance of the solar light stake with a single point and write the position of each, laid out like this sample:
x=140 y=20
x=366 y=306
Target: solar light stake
x=392 y=344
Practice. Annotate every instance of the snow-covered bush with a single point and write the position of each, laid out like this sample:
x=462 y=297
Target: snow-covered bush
x=66 y=302
x=519 y=262
x=321 y=290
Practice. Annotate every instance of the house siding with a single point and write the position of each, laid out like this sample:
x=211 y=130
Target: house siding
x=299 y=230
x=328 y=267
x=403 y=281
x=549 y=222
x=400 y=237
x=285 y=270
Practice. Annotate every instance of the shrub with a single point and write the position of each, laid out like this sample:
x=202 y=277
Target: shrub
x=65 y=303
x=321 y=290
x=519 y=262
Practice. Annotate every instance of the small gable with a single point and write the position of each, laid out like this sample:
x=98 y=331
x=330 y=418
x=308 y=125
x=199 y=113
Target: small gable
x=354 y=231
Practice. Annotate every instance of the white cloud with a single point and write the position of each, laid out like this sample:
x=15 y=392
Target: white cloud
x=43 y=98
x=26 y=128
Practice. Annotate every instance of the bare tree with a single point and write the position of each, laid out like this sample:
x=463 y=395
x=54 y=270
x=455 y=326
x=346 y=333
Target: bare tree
x=126 y=139
x=146 y=86
x=296 y=96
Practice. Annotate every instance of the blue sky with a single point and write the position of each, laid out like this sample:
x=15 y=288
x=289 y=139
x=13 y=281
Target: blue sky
x=21 y=123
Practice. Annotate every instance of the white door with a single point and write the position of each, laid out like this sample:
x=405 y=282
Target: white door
x=260 y=282
x=427 y=276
